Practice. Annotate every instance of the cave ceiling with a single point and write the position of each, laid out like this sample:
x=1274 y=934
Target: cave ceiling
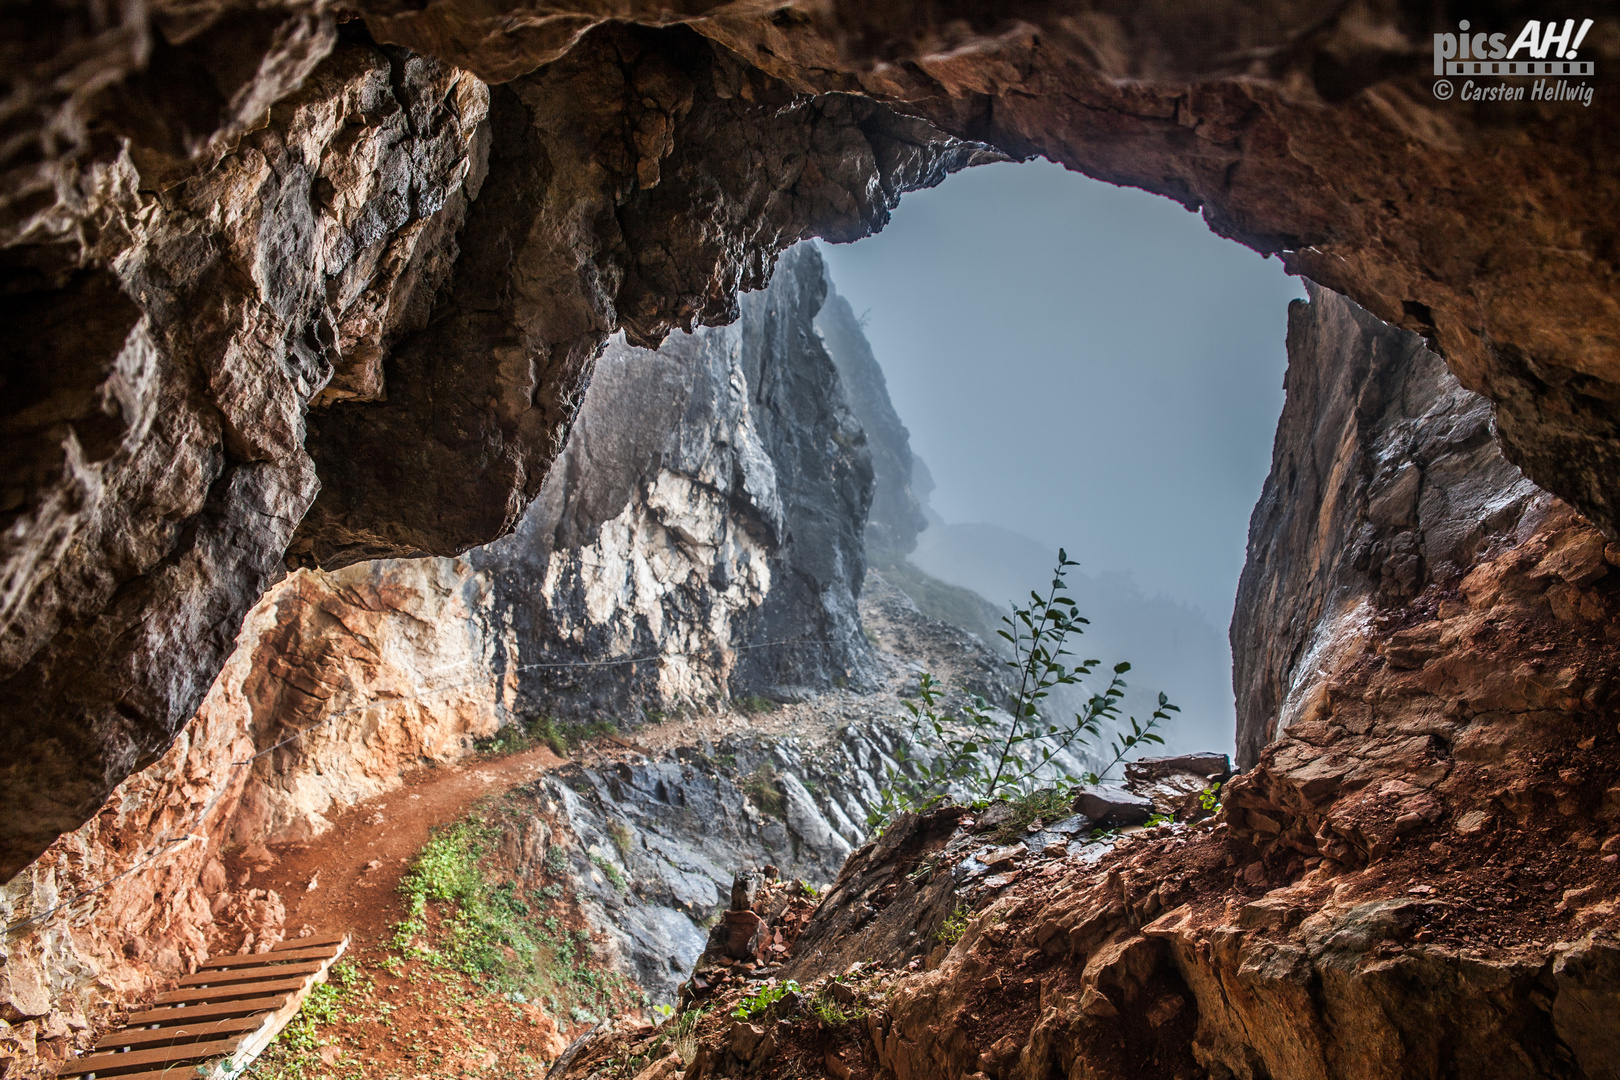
x=306 y=284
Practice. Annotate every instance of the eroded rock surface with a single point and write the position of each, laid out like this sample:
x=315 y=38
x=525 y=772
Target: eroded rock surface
x=1416 y=878
x=704 y=522
x=221 y=216
x=318 y=310
x=1386 y=481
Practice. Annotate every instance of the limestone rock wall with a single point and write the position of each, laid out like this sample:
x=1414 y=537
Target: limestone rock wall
x=154 y=499
x=1386 y=481
x=339 y=683
x=700 y=537
x=390 y=291
x=1415 y=878
x=706 y=513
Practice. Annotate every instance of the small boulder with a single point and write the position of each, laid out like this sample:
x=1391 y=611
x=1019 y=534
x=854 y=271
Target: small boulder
x=745 y=934
x=744 y=888
x=1109 y=805
x=1209 y=766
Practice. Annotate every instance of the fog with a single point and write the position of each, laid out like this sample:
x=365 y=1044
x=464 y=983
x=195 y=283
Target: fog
x=1085 y=366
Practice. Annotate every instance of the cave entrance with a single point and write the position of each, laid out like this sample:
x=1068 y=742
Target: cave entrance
x=1086 y=366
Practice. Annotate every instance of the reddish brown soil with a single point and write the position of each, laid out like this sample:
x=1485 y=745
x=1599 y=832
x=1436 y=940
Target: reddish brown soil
x=413 y=1020
x=389 y=829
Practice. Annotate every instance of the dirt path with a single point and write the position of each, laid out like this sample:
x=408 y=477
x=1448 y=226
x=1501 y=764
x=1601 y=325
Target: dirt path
x=347 y=879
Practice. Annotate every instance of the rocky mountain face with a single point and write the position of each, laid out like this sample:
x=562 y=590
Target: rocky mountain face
x=897 y=514
x=1386 y=484
x=1416 y=877
x=280 y=290
x=701 y=529
x=282 y=293
x=700 y=538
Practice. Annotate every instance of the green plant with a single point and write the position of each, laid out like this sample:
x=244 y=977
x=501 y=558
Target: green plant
x=684 y=1041
x=296 y=1050
x=1210 y=798
x=534 y=731
x=977 y=753
x=487 y=928
x=828 y=1011
x=955 y=925
x=753 y=703
x=768 y=995
x=547 y=732
x=762 y=787
x=1046 y=804
x=556 y=862
x=614 y=874
x=623 y=838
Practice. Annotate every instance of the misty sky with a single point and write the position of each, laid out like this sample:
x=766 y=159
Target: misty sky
x=1086 y=364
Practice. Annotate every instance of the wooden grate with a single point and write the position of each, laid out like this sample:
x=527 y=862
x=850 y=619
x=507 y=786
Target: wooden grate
x=219 y=1020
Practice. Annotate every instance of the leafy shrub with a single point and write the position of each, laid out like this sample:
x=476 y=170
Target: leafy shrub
x=974 y=752
x=768 y=995
x=955 y=925
x=490 y=929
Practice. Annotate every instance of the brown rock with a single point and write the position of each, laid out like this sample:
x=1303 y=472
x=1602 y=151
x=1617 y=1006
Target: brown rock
x=746 y=934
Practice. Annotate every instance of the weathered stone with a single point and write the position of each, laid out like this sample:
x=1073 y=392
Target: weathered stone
x=1109 y=805
x=1213 y=766
x=440 y=286
x=1366 y=403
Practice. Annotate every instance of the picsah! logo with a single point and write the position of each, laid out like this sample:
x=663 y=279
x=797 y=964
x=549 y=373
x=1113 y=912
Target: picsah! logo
x=1548 y=51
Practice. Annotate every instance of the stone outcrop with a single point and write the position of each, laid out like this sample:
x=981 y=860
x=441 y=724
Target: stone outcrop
x=704 y=522
x=319 y=310
x=154 y=501
x=1415 y=878
x=699 y=538
x=1386 y=481
x=897 y=513
x=425 y=222
x=339 y=683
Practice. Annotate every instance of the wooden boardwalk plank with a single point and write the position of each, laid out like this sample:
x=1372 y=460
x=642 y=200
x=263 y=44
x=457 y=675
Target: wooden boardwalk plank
x=267 y=959
x=225 y=1016
x=115 y=1064
x=255 y=1043
x=207 y=1031
x=235 y=992
x=239 y=975
x=309 y=942
x=193 y=1014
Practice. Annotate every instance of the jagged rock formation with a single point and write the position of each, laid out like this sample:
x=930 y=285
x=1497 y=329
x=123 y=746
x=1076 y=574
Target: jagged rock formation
x=330 y=260
x=1417 y=877
x=896 y=516
x=1385 y=482
x=704 y=518
x=706 y=513
x=379 y=664
x=219 y=214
